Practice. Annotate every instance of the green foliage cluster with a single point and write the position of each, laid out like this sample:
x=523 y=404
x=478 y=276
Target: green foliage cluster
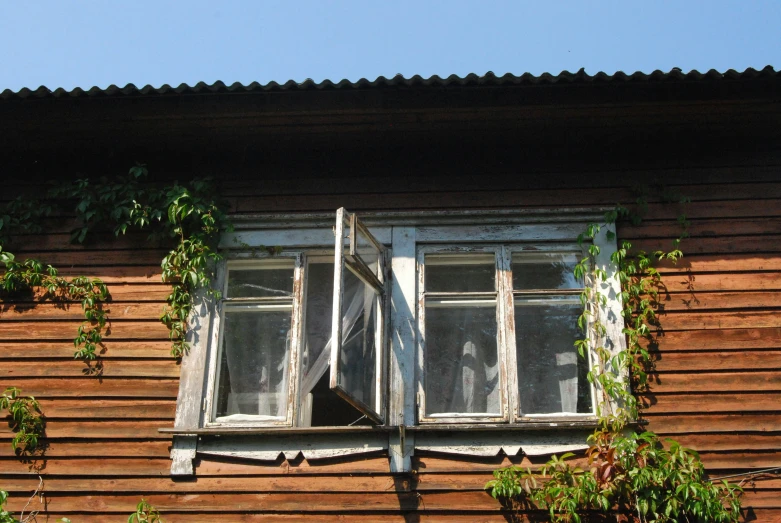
x=23 y=276
x=631 y=473
x=145 y=513
x=186 y=217
x=5 y=516
x=26 y=420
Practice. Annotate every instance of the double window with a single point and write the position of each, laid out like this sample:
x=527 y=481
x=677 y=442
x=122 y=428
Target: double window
x=498 y=325
x=302 y=337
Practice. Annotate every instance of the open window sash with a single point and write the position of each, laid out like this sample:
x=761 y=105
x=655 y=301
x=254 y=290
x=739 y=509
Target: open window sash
x=357 y=349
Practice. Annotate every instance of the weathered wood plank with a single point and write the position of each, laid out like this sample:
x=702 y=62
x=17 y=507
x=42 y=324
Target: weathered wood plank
x=721 y=263
x=768 y=381
x=339 y=483
x=361 y=517
x=721 y=339
x=90 y=466
x=698 y=423
x=66 y=330
x=745 y=460
x=60 y=241
x=91 y=387
x=697 y=403
x=139 y=408
x=122 y=429
x=701 y=228
x=103 y=447
x=113 y=348
x=97 y=258
x=720 y=282
x=671 y=321
x=111 y=368
x=766 y=243
x=696 y=301
x=28 y=312
x=719 y=442
x=711 y=361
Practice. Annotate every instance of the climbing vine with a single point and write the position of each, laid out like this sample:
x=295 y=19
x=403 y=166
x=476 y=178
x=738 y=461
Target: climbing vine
x=187 y=217
x=629 y=473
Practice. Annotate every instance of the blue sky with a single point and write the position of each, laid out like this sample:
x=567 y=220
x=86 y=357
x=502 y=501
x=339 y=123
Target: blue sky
x=69 y=43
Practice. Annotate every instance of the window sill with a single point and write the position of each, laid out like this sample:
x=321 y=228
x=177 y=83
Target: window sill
x=526 y=425
x=255 y=431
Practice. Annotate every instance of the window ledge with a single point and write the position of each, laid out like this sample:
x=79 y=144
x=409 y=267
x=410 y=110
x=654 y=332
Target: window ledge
x=526 y=425
x=255 y=431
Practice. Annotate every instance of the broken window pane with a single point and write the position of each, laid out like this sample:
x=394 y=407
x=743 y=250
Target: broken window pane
x=461 y=364
x=460 y=273
x=544 y=271
x=551 y=373
x=253 y=376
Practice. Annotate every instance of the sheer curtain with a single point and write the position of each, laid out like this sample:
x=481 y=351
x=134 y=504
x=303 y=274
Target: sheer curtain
x=317 y=356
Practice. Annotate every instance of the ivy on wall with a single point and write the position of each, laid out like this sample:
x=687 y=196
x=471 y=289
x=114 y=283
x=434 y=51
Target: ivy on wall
x=628 y=475
x=185 y=217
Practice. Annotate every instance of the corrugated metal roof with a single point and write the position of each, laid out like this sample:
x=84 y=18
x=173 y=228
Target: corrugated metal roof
x=488 y=79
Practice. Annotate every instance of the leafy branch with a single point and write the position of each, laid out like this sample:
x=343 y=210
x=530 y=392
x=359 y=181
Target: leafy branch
x=26 y=420
x=91 y=292
x=634 y=475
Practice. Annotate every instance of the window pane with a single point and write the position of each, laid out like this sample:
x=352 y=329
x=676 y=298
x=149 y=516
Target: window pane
x=366 y=249
x=462 y=364
x=551 y=373
x=358 y=357
x=274 y=279
x=460 y=273
x=319 y=304
x=544 y=271
x=253 y=376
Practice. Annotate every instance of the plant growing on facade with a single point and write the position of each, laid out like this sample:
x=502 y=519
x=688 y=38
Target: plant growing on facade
x=187 y=217
x=628 y=473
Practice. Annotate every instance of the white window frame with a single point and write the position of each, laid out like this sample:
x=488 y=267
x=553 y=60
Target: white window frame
x=405 y=233
x=210 y=400
x=504 y=298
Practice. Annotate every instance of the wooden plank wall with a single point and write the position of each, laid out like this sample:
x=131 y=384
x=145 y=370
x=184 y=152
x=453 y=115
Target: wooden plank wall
x=717 y=386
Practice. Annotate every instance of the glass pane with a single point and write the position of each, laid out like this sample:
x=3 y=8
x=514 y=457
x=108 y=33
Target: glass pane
x=253 y=376
x=367 y=250
x=462 y=364
x=544 y=271
x=460 y=273
x=551 y=373
x=358 y=357
x=262 y=281
x=319 y=304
